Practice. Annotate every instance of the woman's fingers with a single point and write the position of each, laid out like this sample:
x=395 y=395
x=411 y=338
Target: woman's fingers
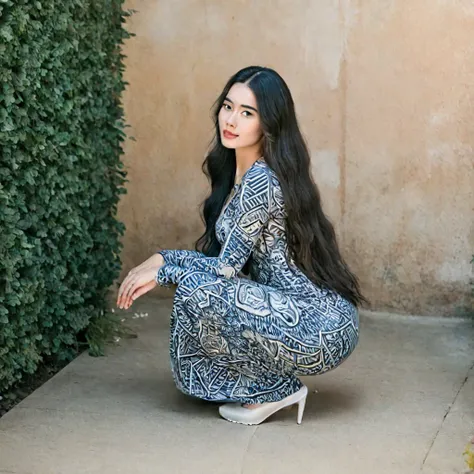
x=127 y=297
x=122 y=288
x=139 y=292
x=132 y=285
x=144 y=289
x=126 y=282
x=140 y=287
x=134 y=282
x=149 y=265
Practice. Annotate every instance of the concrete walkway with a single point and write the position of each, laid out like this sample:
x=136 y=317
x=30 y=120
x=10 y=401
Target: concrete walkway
x=403 y=403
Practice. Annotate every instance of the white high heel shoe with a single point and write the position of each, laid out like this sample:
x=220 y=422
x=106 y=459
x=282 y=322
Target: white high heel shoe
x=236 y=413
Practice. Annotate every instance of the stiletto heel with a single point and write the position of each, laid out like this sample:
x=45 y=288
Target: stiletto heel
x=236 y=413
x=301 y=405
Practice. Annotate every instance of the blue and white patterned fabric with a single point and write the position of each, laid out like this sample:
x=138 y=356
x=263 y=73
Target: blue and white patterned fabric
x=247 y=339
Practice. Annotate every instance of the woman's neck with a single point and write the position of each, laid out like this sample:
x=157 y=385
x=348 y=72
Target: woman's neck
x=244 y=161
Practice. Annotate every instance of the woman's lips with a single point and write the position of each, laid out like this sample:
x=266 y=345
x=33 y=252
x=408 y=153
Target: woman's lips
x=229 y=135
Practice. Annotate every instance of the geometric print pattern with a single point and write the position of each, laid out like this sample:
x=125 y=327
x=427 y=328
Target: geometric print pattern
x=247 y=339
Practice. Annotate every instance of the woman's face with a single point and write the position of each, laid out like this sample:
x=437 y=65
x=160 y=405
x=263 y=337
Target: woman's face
x=239 y=121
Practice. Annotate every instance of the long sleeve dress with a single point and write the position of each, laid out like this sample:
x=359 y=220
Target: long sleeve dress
x=244 y=339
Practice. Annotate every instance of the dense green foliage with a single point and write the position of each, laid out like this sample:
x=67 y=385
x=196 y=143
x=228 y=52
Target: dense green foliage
x=61 y=134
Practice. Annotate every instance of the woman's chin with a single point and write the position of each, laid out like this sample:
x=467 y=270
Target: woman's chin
x=228 y=143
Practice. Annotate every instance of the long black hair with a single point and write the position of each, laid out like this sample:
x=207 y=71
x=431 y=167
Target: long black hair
x=310 y=235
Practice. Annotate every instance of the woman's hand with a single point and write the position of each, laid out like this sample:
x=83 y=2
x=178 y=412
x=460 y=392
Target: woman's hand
x=139 y=281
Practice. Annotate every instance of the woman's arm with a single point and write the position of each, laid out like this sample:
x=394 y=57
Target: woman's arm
x=252 y=214
x=180 y=258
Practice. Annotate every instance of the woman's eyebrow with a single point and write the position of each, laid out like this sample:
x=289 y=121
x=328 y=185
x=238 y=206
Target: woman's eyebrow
x=244 y=106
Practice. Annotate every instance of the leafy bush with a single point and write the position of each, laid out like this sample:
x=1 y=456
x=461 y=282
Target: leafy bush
x=61 y=134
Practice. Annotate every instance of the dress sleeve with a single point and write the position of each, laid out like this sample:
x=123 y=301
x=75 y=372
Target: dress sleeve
x=252 y=212
x=180 y=258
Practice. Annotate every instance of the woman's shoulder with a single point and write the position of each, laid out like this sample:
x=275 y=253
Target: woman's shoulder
x=261 y=171
x=264 y=170
x=265 y=181
x=257 y=176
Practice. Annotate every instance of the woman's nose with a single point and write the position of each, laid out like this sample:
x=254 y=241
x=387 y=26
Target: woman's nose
x=231 y=119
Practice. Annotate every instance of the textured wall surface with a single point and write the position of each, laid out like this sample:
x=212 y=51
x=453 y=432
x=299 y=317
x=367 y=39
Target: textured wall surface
x=384 y=93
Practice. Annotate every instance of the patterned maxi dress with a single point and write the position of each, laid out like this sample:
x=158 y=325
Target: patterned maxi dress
x=247 y=339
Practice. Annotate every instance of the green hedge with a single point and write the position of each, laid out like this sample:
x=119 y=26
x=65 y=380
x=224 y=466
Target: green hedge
x=61 y=134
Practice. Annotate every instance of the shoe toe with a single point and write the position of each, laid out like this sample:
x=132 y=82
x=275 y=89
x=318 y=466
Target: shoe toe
x=237 y=413
x=228 y=409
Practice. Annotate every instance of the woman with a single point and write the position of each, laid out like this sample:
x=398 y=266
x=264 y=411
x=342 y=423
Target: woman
x=245 y=341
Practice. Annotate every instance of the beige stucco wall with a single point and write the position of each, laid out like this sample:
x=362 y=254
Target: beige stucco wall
x=384 y=91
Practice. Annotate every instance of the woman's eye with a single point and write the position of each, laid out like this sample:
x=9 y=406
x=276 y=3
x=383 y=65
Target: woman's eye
x=246 y=113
